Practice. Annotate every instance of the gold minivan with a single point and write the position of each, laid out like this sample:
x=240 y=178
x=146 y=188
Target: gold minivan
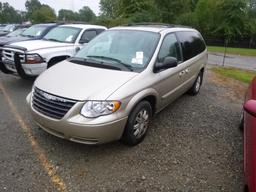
x=112 y=87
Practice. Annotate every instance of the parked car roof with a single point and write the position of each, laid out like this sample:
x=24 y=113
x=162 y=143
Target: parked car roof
x=84 y=26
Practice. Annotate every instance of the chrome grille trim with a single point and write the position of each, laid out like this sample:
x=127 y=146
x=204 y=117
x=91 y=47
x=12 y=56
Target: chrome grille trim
x=51 y=105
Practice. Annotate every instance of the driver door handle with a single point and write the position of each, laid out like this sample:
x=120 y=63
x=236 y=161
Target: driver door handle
x=182 y=73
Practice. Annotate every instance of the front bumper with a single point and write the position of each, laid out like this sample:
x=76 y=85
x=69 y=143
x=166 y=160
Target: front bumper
x=76 y=128
x=29 y=69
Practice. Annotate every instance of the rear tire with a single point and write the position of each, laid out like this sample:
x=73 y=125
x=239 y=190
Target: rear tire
x=137 y=124
x=197 y=85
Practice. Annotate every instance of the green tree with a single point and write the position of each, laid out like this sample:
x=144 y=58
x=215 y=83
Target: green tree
x=86 y=14
x=8 y=14
x=43 y=15
x=169 y=11
x=233 y=14
x=67 y=15
x=207 y=16
x=31 y=6
x=109 y=8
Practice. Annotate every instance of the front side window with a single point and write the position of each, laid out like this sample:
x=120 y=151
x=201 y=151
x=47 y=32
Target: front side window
x=34 y=31
x=170 y=48
x=129 y=48
x=63 y=34
x=88 y=36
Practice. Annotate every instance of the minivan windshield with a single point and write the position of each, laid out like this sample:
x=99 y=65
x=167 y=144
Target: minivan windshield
x=123 y=49
x=34 y=31
x=63 y=34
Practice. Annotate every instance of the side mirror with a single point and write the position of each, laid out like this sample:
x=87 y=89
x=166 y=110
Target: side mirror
x=169 y=62
x=83 y=41
x=77 y=49
x=250 y=107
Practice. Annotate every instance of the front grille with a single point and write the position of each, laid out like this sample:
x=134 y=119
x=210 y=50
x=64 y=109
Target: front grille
x=51 y=105
x=10 y=54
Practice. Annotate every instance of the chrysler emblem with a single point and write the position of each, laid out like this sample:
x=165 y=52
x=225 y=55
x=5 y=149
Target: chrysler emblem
x=52 y=97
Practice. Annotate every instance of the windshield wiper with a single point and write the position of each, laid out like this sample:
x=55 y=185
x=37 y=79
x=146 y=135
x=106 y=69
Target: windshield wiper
x=112 y=59
x=50 y=39
x=31 y=36
x=92 y=63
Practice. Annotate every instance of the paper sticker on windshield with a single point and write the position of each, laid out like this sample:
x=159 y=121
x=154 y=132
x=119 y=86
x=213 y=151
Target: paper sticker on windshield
x=137 y=61
x=139 y=55
x=69 y=38
x=139 y=58
x=38 y=33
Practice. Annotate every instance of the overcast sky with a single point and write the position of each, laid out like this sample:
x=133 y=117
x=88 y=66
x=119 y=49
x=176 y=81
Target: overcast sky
x=59 y=4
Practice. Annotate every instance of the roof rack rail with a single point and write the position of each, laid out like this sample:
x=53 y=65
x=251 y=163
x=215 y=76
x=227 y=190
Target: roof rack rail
x=72 y=22
x=167 y=25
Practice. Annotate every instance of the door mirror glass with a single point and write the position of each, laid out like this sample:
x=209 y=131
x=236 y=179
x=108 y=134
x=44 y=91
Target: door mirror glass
x=250 y=107
x=169 y=62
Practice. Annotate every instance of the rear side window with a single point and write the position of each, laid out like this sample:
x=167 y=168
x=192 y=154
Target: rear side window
x=192 y=44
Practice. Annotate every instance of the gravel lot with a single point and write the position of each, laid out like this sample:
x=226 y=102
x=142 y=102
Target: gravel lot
x=194 y=145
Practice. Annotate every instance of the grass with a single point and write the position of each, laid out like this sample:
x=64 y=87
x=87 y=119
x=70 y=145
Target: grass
x=234 y=73
x=236 y=51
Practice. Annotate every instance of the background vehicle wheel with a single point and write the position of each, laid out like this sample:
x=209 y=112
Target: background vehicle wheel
x=4 y=69
x=241 y=124
x=246 y=189
x=138 y=123
x=197 y=84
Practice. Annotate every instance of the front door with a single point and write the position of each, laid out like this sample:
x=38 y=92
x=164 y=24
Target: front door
x=170 y=81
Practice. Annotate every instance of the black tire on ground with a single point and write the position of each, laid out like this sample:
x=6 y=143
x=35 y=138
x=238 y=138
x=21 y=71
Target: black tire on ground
x=4 y=69
x=195 y=89
x=241 y=124
x=142 y=110
x=246 y=189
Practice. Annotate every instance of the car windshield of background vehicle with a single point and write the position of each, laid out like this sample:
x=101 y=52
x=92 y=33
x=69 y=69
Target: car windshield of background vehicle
x=15 y=33
x=8 y=28
x=34 y=31
x=129 y=48
x=63 y=34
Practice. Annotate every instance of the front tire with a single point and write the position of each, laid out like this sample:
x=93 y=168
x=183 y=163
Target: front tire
x=137 y=125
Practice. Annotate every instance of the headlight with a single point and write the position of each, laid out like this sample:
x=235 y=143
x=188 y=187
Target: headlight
x=33 y=59
x=93 y=109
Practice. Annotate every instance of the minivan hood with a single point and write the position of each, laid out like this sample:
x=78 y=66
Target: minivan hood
x=79 y=82
x=39 y=44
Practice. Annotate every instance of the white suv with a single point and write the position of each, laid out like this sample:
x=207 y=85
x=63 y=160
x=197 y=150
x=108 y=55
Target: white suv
x=31 y=58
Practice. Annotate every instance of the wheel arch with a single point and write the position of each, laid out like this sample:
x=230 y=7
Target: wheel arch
x=149 y=95
x=56 y=59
